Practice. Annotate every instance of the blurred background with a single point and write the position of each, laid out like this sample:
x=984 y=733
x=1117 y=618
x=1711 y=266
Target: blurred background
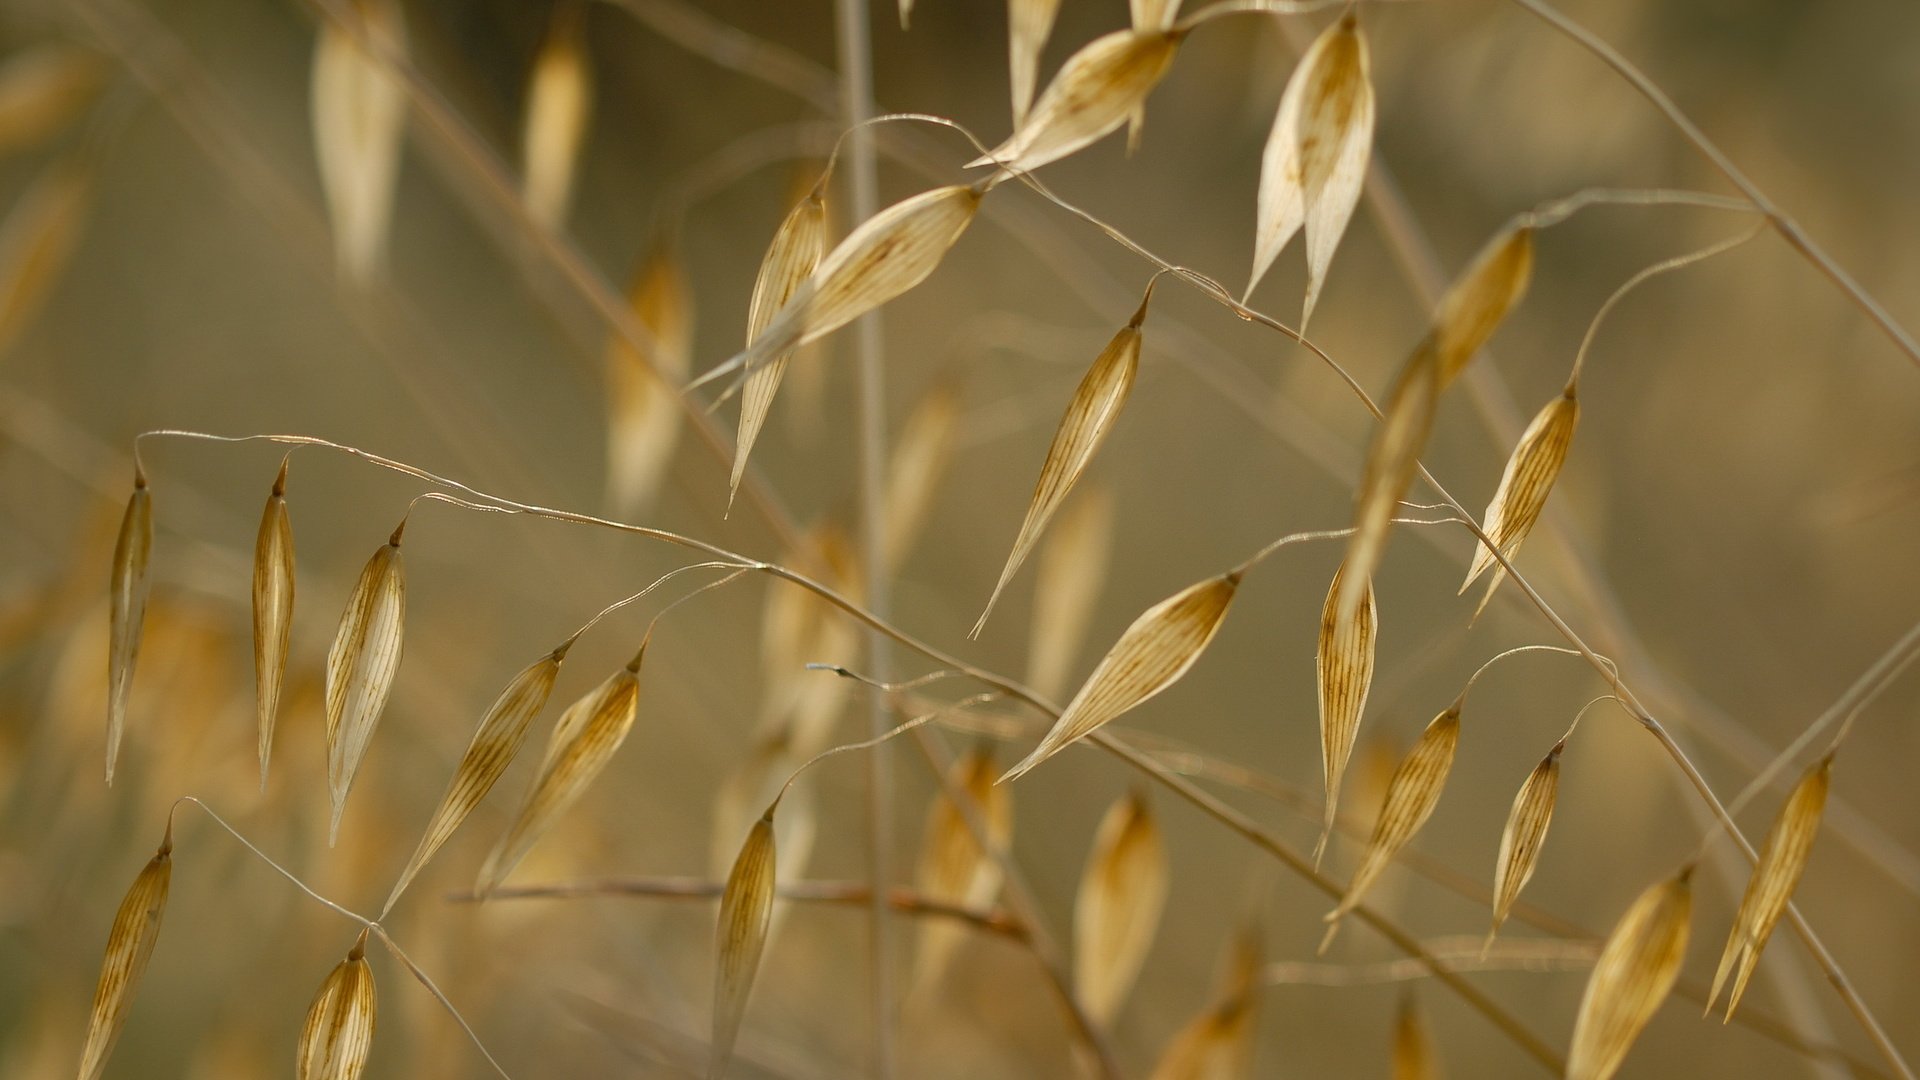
x=1735 y=524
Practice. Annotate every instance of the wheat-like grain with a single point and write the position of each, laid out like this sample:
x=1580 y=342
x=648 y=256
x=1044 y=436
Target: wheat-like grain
x=1116 y=909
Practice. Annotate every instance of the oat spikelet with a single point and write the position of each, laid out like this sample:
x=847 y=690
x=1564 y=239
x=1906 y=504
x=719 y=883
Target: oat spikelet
x=790 y=260
x=1343 y=670
x=495 y=743
x=583 y=741
x=1151 y=655
x=37 y=237
x=1216 y=1045
x=1525 y=485
x=1478 y=301
x=1066 y=586
x=745 y=794
x=42 y=89
x=1392 y=459
x=740 y=936
x=1466 y=317
x=921 y=453
x=1315 y=163
x=1414 y=1056
x=1153 y=14
x=1090 y=415
x=127 y=589
x=953 y=867
x=359 y=123
x=1412 y=794
x=559 y=108
x=889 y=253
x=1029 y=24
x=272 y=611
x=1525 y=833
x=361 y=667
x=136 y=927
x=1095 y=92
x=1783 y=858
x=1636 y=970
x=337 y=1037
x=1116 y=911
x=643 y=408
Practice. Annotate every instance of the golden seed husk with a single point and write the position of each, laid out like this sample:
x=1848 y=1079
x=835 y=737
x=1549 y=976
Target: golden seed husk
x=954 y=868
x=1095 y=91
x=1524 y=835
x=361 y=667
x=273 y=594
x=1151 y=655
x=1783 y=858
x=127 y=589
x=1343 y=673
x=740 y=935
x=559 y=109
x=136 y=928
x=337 y=1037
x=1635 y=972
x=644 y=415
x=1116 y=911
x=1412 y=794
x=1529 y=477
x=359 y=123
x=1071 y=569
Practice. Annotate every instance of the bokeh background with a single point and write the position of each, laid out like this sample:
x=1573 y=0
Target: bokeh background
x=1735 y=525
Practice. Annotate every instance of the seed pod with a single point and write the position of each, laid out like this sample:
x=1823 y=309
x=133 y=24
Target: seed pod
x=920 y=457
x=1095 y=92
x=1066 y=586
x=493 y=747
x=790 y=260
x=1116 y=911
x=1029 y=23
x=1526 y=832
x=582 y=743
x=1414 y=1057
x=1411 y=796
x=1525 y=485
x=1151 y=655
x=1635 y=972
x=739 y=937
x=1153 y=14
x=643 y=407
x=127 y=590
x=954 y=868
x=337 y=1037
x=1315 y=163
x=136 y=928
x=887 y=255
x=359 y=122
x=1216 y=1045
x=361 y=667
x=1480 y=298
x=36 y=240
x=1343 y=671
x=559 y=106
x=1392 y=459
x=272 y=611
x=1095 y=407
x=1783 y=858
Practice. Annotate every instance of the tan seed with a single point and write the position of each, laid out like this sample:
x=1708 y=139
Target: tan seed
x=1414 y=1056
x=273 y=590
x=1343 y=671
x=559 y=107
x=643 y=409
x=1635 y=972
x=1412 y=794
x=1525 y=485
x=1029 y=24
x=359 y=122
x=136 y=928
x=790 y=260
x=1151 y=655
x=361 y=667
x=1783 y=858
x=1095 y=92
x=1315 y=163
x=127 y=589
x=495 y=743
x=1090 y=415
x=740 y=935
x=583 y=742
x=337 y=1036
x=1524 y=835
x=954 y=868
x=1067 y=582
x=1116 y=911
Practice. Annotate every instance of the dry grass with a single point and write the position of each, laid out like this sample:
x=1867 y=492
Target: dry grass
x=551 y=443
